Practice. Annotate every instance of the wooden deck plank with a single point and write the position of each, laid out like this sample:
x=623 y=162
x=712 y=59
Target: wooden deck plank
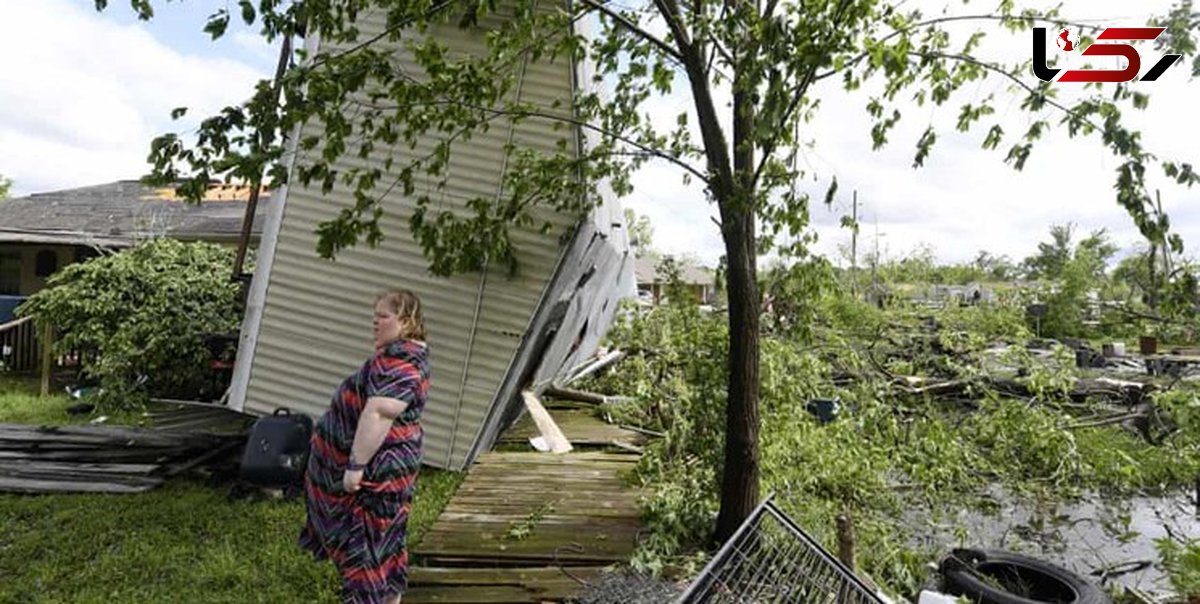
x=598 y=469
x=497 y=576
x=552 y=476
x=519 y=516
x=579 y=491
x=580 y=427
x=489 y=594
x=553 y=518
x=573 y=458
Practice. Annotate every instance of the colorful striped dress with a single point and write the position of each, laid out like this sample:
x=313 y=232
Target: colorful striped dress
x=364 y=533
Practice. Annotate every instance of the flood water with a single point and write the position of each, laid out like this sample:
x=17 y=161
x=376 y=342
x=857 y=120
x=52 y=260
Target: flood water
x=1090 y=536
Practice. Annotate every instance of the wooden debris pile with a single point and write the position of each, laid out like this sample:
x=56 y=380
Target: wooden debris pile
x=101 y=459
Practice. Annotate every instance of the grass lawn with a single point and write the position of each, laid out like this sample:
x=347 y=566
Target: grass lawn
x=183 y=542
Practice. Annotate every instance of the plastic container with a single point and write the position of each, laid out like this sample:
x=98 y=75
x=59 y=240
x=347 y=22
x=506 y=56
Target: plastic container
x=825 y=409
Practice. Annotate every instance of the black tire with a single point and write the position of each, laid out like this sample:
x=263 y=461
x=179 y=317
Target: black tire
x=986 y=576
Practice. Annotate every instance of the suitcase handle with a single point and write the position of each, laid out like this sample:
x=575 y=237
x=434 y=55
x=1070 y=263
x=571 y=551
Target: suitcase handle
x=282 y=411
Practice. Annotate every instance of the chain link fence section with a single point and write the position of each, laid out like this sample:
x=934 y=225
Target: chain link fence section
x=770 y=559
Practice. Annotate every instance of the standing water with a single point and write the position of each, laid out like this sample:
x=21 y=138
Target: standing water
x=1109 y=541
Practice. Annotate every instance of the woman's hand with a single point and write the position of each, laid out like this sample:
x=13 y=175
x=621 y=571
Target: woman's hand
x=352 y=480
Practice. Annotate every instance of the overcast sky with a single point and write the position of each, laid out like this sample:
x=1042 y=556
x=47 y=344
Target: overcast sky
x=82 y=94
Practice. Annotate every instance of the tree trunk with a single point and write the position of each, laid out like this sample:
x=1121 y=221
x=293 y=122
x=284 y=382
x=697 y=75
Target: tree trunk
x=1152 y=295
x=732 y=187
x=739 y=483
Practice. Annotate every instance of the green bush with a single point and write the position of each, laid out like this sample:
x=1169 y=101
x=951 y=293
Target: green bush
x=143 y=312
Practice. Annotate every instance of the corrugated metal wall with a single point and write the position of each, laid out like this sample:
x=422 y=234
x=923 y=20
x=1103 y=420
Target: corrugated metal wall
x=315 y=327
x=583 y=299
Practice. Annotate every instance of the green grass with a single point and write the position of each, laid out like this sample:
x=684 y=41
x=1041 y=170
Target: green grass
x=183 y=542
x=20 y=403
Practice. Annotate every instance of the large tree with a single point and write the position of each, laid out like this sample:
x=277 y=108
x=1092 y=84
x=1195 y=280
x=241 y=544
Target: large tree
x=747 y=77
x=5 y=185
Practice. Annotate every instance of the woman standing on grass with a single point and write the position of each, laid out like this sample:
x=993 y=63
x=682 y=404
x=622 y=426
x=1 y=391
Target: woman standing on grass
x=366 y=452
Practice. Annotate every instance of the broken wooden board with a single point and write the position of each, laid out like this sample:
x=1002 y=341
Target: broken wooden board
x=100 y=459
x=547 y=429
x=191 y=416
x=517 y=518
x=581 y=427
x=496 y=585
x=129 y=484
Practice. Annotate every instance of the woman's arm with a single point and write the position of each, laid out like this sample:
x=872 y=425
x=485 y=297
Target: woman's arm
x=373 y=425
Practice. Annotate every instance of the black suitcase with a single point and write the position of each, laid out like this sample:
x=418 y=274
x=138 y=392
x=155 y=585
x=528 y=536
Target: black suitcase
x=277 y=452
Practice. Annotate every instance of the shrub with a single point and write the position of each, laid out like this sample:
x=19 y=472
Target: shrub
x=143 y=312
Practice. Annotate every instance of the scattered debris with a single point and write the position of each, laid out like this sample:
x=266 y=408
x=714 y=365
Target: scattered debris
x=80 y=409
x=551 y=434
x=824 y=409
x=771 y=559
x=581 y=396
x=600 y=361
x=581 y=427
x=997 y=577
x=189 y=416
x=627 y=587
x=100 y=459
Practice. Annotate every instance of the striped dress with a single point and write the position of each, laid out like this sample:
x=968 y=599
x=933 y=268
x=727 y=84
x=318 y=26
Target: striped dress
x=364 y=533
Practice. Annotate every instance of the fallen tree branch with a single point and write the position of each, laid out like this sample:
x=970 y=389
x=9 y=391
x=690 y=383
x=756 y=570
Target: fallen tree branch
x=1108 y=421
x=1127 y=392
x=1121 y=568
x=581 y=396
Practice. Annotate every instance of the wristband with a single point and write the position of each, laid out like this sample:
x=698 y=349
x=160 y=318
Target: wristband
x=355 y=467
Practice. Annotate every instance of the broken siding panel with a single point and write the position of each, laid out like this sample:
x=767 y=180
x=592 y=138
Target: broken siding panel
x=576 y=313
x=315 y=326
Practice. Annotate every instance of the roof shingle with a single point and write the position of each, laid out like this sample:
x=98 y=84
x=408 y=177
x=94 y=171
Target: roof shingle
x=123 y=212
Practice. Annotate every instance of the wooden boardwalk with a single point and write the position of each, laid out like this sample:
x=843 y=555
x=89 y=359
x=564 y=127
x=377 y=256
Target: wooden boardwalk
x=520 y=519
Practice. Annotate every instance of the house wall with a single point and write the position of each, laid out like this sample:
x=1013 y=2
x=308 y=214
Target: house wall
x=30 y=282
x=702 y=293
x=312 y=326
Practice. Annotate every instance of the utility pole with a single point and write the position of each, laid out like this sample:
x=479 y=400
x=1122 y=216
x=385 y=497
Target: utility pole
x=854 y=246
x=875 y=259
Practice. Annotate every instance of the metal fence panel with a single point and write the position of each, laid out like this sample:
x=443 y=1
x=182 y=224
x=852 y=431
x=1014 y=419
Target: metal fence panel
x=770 y=559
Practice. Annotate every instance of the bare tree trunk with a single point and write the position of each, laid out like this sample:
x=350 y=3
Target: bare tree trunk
x=1152 y=295
x=739 y=483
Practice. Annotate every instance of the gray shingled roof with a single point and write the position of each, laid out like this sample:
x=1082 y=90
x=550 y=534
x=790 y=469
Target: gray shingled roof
x=645 y=268
x=120 y=213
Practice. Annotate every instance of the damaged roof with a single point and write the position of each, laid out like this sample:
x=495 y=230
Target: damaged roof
x=126 y=211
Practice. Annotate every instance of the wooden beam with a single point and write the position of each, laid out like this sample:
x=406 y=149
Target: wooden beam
x=14 y=324
x=555 y=439
x=47 y=344
x=576 y=395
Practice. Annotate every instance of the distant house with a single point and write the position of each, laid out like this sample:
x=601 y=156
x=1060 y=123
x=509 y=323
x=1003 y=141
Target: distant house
x=652 y=283
x=45 y=231
x=971 y=293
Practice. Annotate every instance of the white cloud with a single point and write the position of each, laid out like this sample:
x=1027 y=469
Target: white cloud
x=252 y=44
x=82 y=96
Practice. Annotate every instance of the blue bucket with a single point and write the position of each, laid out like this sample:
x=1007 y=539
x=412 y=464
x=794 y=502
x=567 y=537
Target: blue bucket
x=824 y=409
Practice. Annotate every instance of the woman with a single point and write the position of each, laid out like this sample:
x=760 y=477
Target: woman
x=366 y=452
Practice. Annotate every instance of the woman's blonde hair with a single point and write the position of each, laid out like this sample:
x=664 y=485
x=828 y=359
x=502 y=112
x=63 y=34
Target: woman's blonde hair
x=407 y=307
